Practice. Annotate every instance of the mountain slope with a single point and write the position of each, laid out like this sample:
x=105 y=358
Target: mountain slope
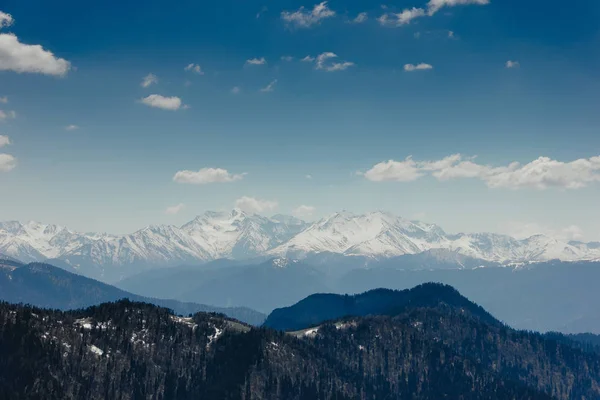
x=319 y=308
x=129 y=351
x=43 y=285
x=239 y=235
x=260 y=287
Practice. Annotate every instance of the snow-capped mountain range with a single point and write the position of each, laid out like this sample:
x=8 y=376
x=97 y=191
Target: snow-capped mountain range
x=238 y=235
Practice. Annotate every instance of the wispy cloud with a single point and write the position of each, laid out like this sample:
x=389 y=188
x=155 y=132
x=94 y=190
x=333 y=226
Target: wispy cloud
x=4 y=140
x=256 y=61
x=194 y=68
x=360 y=18
x=270 y=87
x=435 y=5
x=7 y=162
x=166 y=103
x=236 y=90
x=303 y=18
x=304 y=211
x=524 y=230
x=6 y=20
x=4 y=100
x=148 y=80
x=512 y=64
x=540 y=174
x=25 y=58
x=403 y=18
x=4 y=115
x=418 y=67
x=71 y=127
x=263 y=10
x=287 y=58
x=255 y=206
x=308 y=59
x=325 y=61
x=207 y=175
x=173 y=210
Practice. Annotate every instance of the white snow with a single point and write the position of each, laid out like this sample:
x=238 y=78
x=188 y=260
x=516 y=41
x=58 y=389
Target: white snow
x=185 y=321
x=212 y=338
x=239 y=235
x=345 y=325
x=311 y=332
x=96 y=350
x=85 y=323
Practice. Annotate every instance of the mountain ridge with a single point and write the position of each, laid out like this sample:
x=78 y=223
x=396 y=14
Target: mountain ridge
x=238 y=235
x=44 y=285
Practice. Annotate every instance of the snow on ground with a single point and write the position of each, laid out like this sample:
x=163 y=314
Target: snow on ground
x=96 y=350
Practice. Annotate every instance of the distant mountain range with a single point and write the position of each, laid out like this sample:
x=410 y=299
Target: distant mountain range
x=237 y=235
x=43 y=285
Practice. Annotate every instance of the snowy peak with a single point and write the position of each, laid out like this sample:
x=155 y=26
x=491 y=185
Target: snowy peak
x=376 y=234
x=239 y=235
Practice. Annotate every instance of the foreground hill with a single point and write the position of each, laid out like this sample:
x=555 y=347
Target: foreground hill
x=47 y=286
x=130 y=350
x=319 y=308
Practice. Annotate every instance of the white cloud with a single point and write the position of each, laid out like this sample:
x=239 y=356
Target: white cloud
x=306 y=19
x=4 y=115
x=451 y=34
x=4 y=100
x=4 y=140
x=308 y=59
x=207 y=175
x=7 y=162
x=360 y=18
x=175 y=209
x=398 y=171
x=236 y=90
x=410 y=14
x=304 y=211
x=194 y=68
x=435 y=5
x=71 y=127
x=18 y=57
x=403 y=18
x=512 y=64
x=324 y=62
x=255 y=206
x=270 y=87
x=524 y=230
x=540 y=174
x=166 y=103
x=256 y=61
x=5 y=20
x=309 y=176
x=149 y=80
x=287 y=58
x=418 y=67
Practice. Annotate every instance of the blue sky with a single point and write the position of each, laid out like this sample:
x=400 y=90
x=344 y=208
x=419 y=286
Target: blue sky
x=339 y=121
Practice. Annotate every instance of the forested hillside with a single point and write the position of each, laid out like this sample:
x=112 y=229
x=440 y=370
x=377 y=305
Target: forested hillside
x=128 y=350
